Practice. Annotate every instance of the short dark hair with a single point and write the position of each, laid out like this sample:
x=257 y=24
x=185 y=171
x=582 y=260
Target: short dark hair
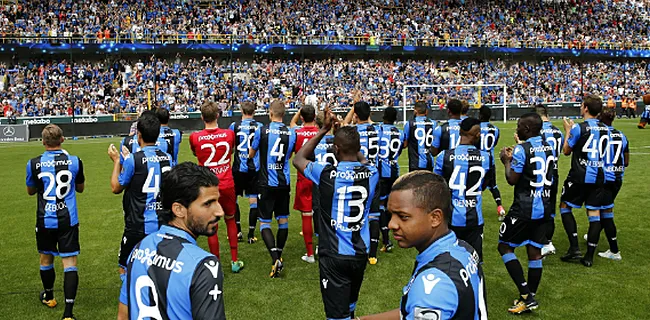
x=593 y=103
x=148 y=126
x=347 y=140
x=533 y=121
x=210 y=111
x=607 y=115
x=163 y=115
x=308 y=113
x=390 y=115
x=248 y=108
x=541 y=110
x=183 y=184
x=430 y=191
x=455 y=106
x=421 y=107
x=467 y=124
x=484 y=114
x=362 y=110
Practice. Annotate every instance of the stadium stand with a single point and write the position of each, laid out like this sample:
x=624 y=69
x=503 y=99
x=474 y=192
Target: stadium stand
x=605 y=24
x=41 y=88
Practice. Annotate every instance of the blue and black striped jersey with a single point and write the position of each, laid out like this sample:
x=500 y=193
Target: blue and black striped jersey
x=447 y=135
x=465 y=169
x=244 y=134
x=141 y=175
x=447 y=283
x=369 y=135
x=489 y=137
x=418 y=135
x=589 y=142
x=615 y=157
x=390 y=148
x=55 y=174
x=536 y=162
x=173 y=138
x=347 y=197
x=275 y=143
x=170 y=277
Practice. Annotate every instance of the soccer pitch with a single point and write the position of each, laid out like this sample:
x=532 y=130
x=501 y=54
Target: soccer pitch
x=608 y=290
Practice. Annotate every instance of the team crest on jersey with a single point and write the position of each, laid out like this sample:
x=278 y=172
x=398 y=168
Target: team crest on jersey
x=426 y=314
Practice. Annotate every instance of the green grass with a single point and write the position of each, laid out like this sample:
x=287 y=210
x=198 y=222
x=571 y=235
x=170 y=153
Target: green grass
x=609 y=290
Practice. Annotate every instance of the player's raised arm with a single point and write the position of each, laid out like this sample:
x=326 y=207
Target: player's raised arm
x=300 y=160
x=116 y=187
x=435 y=144
x=509 y=161
x=572 y=134
x=295 y=119
x=255 y=144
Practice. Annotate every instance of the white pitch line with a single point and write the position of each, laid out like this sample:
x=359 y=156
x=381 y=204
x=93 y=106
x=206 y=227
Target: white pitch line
x=640 y=153
x=640 y=147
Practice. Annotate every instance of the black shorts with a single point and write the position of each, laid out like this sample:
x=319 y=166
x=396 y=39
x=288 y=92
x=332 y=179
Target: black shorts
x=472 y=235
x=273 y=201
x=58 y=242
x=129 y=240
x=245 y=183
x=516 y=232
x=340 y=283
x=385 y=186
x=610 y=193
x=575 y=194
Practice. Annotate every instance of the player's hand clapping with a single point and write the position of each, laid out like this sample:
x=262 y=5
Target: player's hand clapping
x=113 y=153
x=329 y=119
x=568 y=124
x=506 y=154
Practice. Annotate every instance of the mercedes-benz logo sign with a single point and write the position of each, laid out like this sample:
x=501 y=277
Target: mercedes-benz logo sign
x=9 y=131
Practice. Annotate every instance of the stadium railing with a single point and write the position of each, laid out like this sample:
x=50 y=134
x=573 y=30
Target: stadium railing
x=187 y=38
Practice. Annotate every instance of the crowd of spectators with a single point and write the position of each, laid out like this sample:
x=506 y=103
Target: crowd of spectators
x=555 y=23
x=41 y=88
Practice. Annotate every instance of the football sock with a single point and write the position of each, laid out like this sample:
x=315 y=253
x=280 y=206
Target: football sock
x=213 y=244
x=496 y=194
x=231 y=228
x=374 y=237
x=307 y=234
x=593 y=236
x=70 y=284
x=47 y=277
x=550 y=230
x=610 y=232
x=269 y=240
x=238 y=220
x=315 y=221
x=516 y=273
x=570 y=226
x=283 y=234
x=252 y=220
x=534 y=274
x=383 y=223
